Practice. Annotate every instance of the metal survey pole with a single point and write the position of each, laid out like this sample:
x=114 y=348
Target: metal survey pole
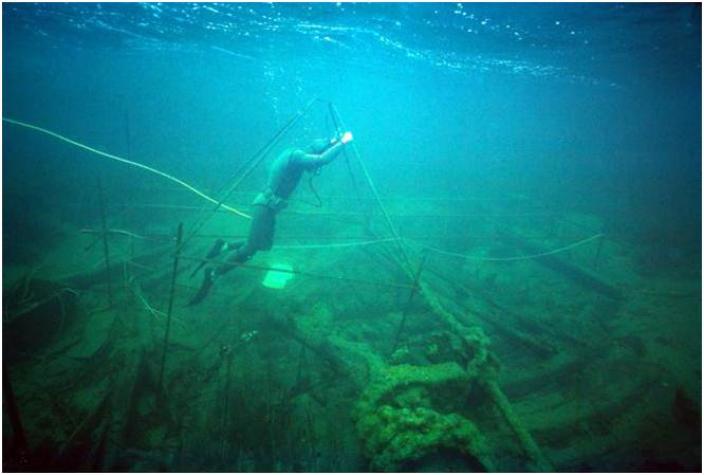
x=13 y=412
x=251 y=165
x=106 y=253
x=597 y=255
x=405 y=262
x=414 y=290
x=338 y=130
x=179 y=237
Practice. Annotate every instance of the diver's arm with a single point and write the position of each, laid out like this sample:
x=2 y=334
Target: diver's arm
x=312 y=160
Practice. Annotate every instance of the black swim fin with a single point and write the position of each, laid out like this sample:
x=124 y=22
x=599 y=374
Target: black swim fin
x=212 y=253
x=204 y=287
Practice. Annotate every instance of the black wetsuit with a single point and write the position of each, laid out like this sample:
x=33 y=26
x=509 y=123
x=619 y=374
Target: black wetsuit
x=285 y=174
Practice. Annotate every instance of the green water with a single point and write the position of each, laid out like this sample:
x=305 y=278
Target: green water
x=500 y=273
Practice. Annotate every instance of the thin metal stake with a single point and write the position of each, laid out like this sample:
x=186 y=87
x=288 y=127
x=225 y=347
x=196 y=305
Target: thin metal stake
x=105 y=239
x=416 y=280
x=128 y=135
x=249 y=166
x=179 y=237
x=338 y=130
x=227 y=353
x=597 y=255
x=13 y=411
x=405 y=262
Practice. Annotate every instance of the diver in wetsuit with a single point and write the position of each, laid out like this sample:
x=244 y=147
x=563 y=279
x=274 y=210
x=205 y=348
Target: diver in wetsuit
x=285 y=174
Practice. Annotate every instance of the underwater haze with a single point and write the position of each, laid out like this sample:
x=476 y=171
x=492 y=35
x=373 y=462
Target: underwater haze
x=501 y=272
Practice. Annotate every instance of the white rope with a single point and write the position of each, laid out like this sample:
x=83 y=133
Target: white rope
x=125 y=161
x=336 y=245
x=515 y=258
x=123 y=232
x=236 y=211
x=285 y=246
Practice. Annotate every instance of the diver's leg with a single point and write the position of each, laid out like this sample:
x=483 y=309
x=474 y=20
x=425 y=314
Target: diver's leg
x=210 y=274
x=234 y=245
x=260 y=233
x=218 y=246
x=242 y=255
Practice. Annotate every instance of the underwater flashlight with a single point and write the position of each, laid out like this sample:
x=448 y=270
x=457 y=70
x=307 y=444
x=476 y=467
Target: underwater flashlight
x=346 y=137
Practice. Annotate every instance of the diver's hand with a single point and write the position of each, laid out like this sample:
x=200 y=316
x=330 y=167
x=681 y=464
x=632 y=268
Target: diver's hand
x=346 y=138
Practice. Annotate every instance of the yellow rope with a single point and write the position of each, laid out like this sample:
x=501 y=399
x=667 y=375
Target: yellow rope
x=125 y=161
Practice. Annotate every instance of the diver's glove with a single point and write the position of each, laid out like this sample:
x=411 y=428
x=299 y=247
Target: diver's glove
x=346 y=138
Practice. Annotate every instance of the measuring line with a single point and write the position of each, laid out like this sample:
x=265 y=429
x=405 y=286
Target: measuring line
x=516 y=258
x=304 y=273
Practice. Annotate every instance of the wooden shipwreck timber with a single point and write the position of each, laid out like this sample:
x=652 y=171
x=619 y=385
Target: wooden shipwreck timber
x=411 y=361
x=383 y=353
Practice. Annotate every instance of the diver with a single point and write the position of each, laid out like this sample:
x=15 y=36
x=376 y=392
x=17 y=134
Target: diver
x=285 y=174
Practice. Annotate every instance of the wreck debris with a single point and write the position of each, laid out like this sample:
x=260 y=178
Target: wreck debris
x=399 y=425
